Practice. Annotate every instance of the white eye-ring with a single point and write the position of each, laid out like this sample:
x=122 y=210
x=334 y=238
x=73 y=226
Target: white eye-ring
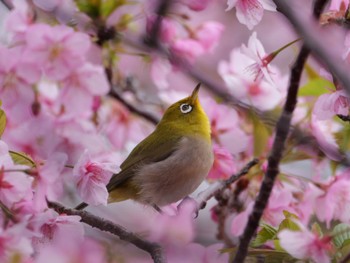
x=185 y=108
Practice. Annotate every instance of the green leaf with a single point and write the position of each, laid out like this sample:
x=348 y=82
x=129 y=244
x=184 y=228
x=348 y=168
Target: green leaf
x=124 y=21
x=261 y=136
x=343 y=138
x=107 y=7
x=266 y=233
x=289 y=222
x=277 y=245
x=89 y=7
x=316 y=87
x=310 y=72
x=2 y=122
x=290 y=215
x=341 y=235
x=22 y=159
x=316 y=228
x=268 y=255
x=271 y=256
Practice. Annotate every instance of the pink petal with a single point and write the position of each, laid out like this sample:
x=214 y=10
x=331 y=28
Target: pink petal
x=249 y=12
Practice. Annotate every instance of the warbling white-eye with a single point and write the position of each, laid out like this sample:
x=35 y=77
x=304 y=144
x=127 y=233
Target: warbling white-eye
x=171 y=162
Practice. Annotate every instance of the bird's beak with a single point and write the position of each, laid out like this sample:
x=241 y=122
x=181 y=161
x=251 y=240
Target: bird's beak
x=194 y=95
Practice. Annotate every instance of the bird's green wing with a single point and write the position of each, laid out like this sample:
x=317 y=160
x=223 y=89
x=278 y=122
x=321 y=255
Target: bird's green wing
x=154 y=148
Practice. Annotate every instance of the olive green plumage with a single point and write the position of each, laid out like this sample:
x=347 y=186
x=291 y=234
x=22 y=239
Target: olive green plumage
x=171 y=162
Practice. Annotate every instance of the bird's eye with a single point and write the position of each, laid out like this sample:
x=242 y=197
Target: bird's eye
x=185 y=108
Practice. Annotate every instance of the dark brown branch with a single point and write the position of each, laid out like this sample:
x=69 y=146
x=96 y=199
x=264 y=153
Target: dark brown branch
x=153 y=249
x=282 y=130
x=146 y=115
x=215 y=188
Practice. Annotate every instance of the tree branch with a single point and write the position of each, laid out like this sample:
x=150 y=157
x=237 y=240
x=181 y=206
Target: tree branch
x=154 y=249
x=219 y=186
x=146 y=115
x=282 y=129
x=317 y=40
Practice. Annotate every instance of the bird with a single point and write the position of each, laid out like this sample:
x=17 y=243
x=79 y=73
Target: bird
x=170 y=163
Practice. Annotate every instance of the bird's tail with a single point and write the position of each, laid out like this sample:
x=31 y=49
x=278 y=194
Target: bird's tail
x=81 y=206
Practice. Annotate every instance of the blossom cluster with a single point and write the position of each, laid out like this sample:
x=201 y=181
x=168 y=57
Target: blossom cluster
x=63 y=133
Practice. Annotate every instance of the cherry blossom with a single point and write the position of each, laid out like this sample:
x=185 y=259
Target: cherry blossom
x=338 y=4
x=305 y=244
x=178 y=229
x=121 y=126
x=331 y=205
x=196 y=5
x=240 y=220
x=19 y=20
x=91 y=178
x=16 y=78
x=225 y=126
x=223 y=166
x=323 y=132
x=58 y=62
x=251 y=78
x=14 y=186
x=281 y=199
x=54 y=229
x=168 y=28
x=198 y=41
x=36 y=136
x=15 y=243
x=58 y=49
x=330 y=104
x=63 y=10
x=87 y=251
x=62 y=236
x=208 y=34
x=160 y=70
x=84 y=83
x=262 y=67
x=250 y=12
x=187 y=48
x=47 y=181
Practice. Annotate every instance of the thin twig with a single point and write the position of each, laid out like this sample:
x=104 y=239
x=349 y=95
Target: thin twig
x=154 y=249
x=146 y=115
x=219 y=186
x=282 y=130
